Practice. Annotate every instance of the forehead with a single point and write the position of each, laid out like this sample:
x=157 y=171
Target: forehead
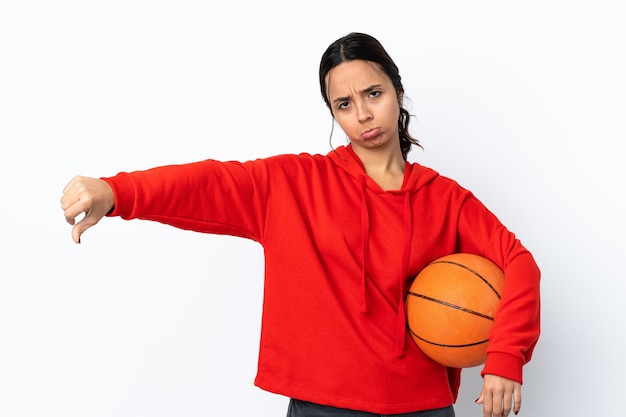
x=351 y=76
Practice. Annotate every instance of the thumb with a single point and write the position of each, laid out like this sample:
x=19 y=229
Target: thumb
x=76 y=232
x=479 y=400
x=80 y=227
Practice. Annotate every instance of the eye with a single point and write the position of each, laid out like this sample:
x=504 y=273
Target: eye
x=342 y=105
x=375 y=93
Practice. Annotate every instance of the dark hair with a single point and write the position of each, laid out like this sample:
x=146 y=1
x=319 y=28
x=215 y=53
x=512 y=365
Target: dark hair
x=365 y=47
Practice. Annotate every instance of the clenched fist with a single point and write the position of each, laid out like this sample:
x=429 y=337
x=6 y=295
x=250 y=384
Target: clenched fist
x=91 y=196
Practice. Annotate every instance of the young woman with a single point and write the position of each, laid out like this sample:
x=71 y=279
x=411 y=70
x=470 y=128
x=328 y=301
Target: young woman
x=343 y=234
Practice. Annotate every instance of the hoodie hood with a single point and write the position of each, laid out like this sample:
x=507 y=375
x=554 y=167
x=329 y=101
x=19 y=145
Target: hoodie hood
x=415 y=177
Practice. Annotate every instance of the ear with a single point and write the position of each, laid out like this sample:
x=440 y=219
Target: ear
x=400 y=95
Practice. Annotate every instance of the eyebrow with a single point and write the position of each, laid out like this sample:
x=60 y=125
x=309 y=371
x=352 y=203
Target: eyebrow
x=365 y=90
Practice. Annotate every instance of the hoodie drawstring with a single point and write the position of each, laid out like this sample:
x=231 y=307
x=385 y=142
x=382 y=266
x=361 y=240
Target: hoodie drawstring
x=365 y=234
x=406 y=246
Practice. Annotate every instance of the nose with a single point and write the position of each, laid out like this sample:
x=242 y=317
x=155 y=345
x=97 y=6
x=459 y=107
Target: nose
x=363 y=112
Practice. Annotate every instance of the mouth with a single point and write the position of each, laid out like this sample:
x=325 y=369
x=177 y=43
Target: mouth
x=370 y=134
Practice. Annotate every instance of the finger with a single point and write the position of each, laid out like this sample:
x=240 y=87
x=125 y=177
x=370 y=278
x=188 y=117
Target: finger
x=70 y=220
x=69 y=199
x=70 y=215
x=70 y=192
x=517 y=399
x=80 y=227
x=73 y=206
x=496 y=404
x=70 y=184
x=76 y=200
x=487 y=405
x=76 y=233
x=507 y=403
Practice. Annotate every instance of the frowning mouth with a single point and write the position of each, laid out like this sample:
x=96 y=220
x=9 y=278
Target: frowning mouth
x=370 y=134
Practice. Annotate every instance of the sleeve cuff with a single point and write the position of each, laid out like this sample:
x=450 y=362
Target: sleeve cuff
x=504 y=365
x=123 y=192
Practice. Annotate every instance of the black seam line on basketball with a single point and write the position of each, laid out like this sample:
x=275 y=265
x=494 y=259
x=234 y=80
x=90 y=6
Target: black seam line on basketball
x=466 y=310
x=473 y=272
x=444 y=345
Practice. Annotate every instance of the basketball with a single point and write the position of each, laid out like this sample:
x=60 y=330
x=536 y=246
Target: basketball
x=450 y=308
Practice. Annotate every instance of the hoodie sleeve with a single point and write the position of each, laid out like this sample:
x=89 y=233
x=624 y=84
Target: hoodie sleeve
x=516 y=324
x=208 y=196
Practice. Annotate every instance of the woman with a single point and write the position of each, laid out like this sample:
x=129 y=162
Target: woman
x=343 y=234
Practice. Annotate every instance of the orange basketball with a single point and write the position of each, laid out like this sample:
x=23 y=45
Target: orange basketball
x=450 y=308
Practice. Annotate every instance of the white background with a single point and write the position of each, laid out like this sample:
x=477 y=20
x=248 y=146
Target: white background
x=522 y=102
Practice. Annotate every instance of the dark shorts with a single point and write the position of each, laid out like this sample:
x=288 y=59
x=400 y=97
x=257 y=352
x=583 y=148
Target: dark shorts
x=299 y=408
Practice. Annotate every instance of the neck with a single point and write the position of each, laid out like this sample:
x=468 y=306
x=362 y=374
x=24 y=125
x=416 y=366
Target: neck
x=385 y=167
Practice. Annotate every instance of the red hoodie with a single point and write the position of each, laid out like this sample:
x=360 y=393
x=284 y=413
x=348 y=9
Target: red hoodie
x=340 y=254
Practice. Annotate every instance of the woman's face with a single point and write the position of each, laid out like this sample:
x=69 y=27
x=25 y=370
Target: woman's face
x=365 y=104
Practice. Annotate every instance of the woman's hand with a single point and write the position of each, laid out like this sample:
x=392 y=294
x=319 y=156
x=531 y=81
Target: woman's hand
x=499 y=396
x=91 y=196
